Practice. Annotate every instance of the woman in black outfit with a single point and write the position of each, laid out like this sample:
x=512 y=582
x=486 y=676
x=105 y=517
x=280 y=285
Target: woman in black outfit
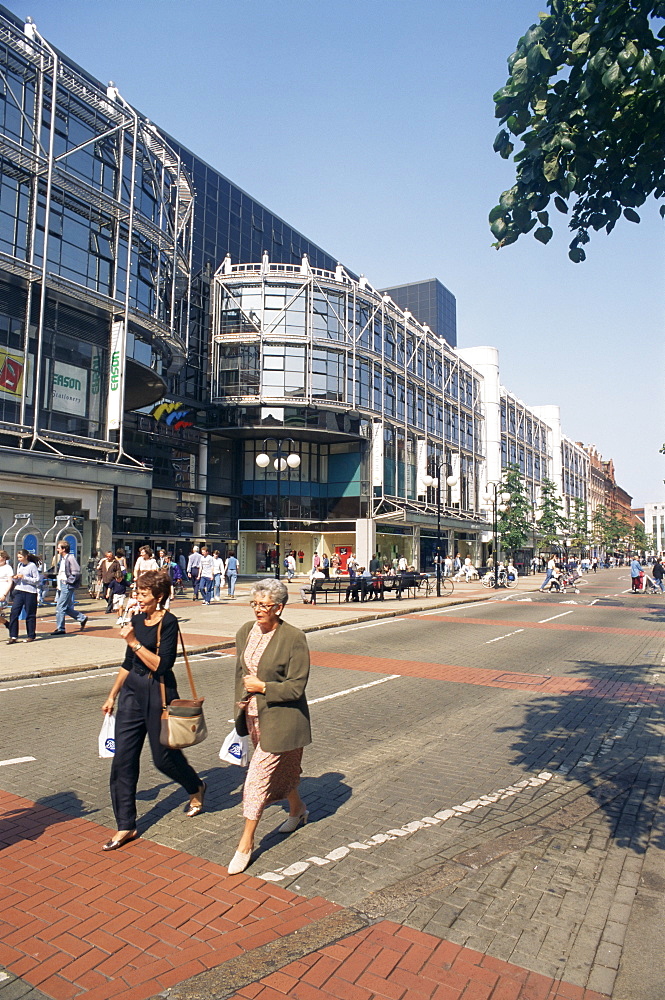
x=140 y=707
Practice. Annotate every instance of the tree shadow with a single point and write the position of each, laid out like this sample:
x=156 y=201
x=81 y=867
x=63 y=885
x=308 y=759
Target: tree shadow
x=30 y=822
x=607 y=733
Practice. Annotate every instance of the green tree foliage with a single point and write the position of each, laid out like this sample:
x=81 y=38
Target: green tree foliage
x=611 y=532
x=552 y=524
x=641 y=542
x=578 y=526
x=586 y=96
x=514 y=522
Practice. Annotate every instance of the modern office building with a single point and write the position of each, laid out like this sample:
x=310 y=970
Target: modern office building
x=653 y=518
x=109 y=235
x=431 y=303
x=373 y=401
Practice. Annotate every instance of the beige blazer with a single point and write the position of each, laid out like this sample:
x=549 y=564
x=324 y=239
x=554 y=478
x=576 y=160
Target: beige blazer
x=284 y=668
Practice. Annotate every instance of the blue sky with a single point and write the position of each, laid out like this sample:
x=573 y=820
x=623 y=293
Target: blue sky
x=368 y=125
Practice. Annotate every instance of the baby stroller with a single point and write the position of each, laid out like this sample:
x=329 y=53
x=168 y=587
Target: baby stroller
x=649 y=585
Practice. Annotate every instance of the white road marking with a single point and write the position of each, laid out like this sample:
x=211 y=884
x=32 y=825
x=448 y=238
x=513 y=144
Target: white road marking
x=340 y=694
x=16 y=760
x=64 y=680
x=407 y=829
x=384 y=621
x=506 y=636
x=360 y=687
x=543 y=620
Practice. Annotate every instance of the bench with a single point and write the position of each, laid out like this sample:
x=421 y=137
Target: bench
x=323 y=589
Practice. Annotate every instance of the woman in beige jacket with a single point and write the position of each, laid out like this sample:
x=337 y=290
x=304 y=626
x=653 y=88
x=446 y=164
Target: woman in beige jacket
x=272 y=669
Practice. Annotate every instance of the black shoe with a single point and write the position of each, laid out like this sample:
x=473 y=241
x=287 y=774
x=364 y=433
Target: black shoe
x=59 y=631
x=84 y=623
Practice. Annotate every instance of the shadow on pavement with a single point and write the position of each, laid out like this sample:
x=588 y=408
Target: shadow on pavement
x=611 y=729
x=30 y=823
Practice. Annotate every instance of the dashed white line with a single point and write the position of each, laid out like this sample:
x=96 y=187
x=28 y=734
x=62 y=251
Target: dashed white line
x=543 y=620
x=16 y=760
x=279 y=874
x=506 y=636
x=64 y=680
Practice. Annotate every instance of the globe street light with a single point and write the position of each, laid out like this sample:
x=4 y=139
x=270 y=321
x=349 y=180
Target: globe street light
x=281 y=461
x=496 y=496
x=435 y=483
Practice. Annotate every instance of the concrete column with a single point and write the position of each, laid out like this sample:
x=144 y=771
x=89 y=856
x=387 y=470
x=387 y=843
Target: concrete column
x=365 y=540
x=103 y=540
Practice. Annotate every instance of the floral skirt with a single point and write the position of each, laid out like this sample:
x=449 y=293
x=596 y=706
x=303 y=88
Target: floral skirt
x=270 y=776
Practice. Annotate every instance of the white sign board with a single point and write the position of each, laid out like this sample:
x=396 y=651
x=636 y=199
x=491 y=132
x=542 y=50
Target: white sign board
x=69 y=391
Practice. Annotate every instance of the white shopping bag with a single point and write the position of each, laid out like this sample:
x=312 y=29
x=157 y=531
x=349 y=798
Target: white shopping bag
x=235 y=749
x=107 y=737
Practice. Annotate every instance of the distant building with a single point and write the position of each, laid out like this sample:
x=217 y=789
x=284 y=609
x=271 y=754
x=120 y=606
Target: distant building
x=431 y=303
x=654 y=524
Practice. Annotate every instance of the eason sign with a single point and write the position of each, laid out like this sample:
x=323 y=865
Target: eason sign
x=116 y=375
x=70 y=389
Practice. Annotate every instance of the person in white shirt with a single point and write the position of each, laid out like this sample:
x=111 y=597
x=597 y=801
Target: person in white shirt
x=206 y=574
x=145 y=562
x=6 y=574
x=68 y=579
x=217 y=576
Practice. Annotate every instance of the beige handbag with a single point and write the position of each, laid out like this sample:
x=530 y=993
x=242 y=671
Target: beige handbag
x=183 y=723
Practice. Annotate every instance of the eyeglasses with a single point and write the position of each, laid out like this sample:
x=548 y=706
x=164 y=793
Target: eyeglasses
x=258 y=606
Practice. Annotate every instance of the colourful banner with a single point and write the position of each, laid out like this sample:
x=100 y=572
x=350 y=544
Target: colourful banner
x=12 y=371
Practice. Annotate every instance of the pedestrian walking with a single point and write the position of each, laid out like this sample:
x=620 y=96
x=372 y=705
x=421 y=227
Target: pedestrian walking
x=6 y=577
x=272 y=669
x=658 y=573
x=206 y=575
x=145 y=563
x=26 y=587
x=232 y=569
x=636 y=575
x=106 y=573
x=68 y=578
x=193 y=570
x=152 y=642
x=218 y=574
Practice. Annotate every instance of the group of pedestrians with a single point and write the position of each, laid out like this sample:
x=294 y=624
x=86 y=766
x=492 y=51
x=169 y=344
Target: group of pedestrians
x=207 y=571
x=23 y=585
x=272 y=669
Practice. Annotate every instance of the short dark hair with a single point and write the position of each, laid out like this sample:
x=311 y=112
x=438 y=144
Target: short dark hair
x=157 y=582
x=62 y=544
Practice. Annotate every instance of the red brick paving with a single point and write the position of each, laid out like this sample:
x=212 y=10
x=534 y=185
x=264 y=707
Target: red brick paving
x=128 y=925
x=76 y=922
x=556 y=626
x=391 y=962
x=645 y=694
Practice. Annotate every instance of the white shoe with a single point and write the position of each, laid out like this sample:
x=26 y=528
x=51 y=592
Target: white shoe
x=293 y=822
x=239 y=862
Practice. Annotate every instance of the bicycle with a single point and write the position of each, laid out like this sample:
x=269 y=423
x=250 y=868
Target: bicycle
x=504 y=579
x=428 y=585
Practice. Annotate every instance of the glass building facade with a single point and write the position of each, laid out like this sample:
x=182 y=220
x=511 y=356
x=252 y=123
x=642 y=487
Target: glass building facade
x=373 y=400
x=431 y=303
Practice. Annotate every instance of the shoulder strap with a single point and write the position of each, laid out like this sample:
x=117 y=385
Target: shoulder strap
x=190 y=676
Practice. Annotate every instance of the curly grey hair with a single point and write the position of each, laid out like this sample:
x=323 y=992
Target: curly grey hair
x=274 y=588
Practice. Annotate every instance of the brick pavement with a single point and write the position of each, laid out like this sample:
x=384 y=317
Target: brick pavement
x=652 y=694
x=391 y=962
x=139 y=922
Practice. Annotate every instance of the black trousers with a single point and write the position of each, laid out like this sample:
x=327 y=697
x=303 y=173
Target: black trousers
x=22 y=599
x=139 y=715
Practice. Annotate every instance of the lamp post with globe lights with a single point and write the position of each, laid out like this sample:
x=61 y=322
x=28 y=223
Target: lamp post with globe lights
x=434 y=482
x=496 y=496
x=282 y=459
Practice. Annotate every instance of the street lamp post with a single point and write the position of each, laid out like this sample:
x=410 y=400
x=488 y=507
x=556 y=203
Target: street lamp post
x=281 y=459
x=498 y=499
x=435 y=483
